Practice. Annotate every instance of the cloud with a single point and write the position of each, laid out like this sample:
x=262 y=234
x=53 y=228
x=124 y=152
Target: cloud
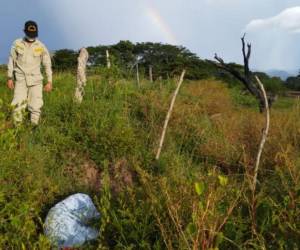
x=288 y=20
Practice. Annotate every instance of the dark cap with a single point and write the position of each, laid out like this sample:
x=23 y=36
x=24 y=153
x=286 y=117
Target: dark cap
x=31 y=29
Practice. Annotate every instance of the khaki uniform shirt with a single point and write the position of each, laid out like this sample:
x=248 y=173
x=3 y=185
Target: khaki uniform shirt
x=25 y=62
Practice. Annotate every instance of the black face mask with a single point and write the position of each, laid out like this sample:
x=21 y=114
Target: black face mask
x=29 y=40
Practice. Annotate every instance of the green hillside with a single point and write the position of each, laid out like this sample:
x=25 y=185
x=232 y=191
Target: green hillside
x=197 y=196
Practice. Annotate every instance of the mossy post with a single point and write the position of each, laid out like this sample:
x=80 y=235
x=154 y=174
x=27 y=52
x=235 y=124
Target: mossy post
x=108 y=60
x=162 y=138
x=138 y=75
x=150 y=74
x=81 y=74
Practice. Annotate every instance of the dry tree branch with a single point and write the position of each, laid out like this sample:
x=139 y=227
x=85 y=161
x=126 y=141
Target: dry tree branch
x=265 y=133
x=253 y=184
x=246 y=78
x=234 y=72
x=169 y=115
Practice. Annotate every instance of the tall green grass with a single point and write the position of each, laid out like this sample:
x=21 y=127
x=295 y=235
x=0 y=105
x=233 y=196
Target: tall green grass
x=196 y=196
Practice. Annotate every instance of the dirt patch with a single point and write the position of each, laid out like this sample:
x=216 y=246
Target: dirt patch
x=87 y=174
x=121 y=176
x=91 y=176
x=83 y=171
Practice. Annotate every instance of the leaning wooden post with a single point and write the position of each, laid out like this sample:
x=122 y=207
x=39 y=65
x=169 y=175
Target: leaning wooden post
x=108 y=59
x=264 y=135
x=137 y=74
x=160 y=82
x=150 y=74
x=81 y=74
x=169 y=115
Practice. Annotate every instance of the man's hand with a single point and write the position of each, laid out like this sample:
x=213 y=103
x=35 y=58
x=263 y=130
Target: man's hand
x=10 y=84
x=48 y=87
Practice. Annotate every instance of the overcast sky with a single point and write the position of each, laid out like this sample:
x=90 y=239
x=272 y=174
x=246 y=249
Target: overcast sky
x=203 y=26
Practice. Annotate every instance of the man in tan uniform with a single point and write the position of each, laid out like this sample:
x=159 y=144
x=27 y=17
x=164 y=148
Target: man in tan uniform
x=24 y=66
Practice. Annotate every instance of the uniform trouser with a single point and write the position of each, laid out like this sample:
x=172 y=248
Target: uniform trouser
x=27 y=96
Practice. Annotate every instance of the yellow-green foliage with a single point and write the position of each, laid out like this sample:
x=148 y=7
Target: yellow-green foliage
x=196 y=196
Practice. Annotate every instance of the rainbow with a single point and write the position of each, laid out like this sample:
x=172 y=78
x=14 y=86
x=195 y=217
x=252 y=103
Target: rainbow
x=161 y=24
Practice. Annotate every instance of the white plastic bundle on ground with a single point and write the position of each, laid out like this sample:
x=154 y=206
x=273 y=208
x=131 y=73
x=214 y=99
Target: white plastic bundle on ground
x=66 y=222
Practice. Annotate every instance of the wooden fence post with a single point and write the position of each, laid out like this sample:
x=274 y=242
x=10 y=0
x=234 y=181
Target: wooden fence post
x=150 y=74
x=169 y=115
x=137 y=75
x=81 y=74
x=108 y=59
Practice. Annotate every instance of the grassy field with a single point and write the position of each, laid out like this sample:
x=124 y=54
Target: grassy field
x=197 y=196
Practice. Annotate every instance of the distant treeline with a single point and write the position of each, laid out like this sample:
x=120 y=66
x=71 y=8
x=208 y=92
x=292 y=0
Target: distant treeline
x=165 y=60
x=293 y=82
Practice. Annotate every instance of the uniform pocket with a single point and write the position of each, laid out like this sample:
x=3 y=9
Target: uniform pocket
x=37 y=54
x=38 y=51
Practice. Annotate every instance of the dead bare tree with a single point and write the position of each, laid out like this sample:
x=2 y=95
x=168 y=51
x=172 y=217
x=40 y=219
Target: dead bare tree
x=265 y=102
x=246 y=78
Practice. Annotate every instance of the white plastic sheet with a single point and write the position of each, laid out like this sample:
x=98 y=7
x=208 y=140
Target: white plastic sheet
x=66 y=222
